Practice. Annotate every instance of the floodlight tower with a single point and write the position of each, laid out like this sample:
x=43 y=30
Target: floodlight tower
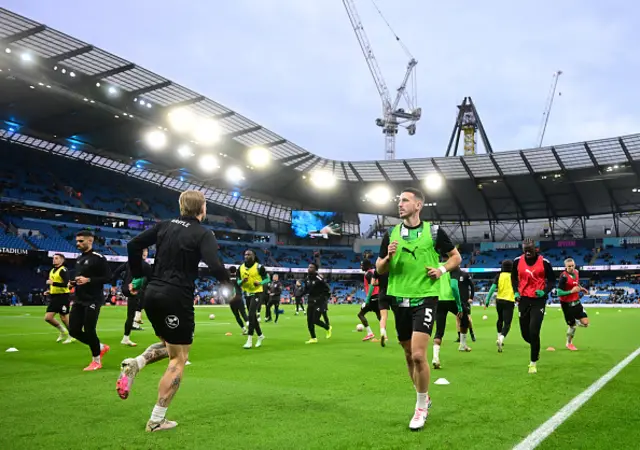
x=393 y=116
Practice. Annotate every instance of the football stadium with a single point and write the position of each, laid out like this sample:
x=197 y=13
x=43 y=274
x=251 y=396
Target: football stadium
x=284 y=347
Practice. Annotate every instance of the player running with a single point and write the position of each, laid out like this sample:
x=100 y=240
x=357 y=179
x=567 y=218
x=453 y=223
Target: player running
x=275 y=293
x=236 y=304
x=569 y=290
x=410 y=254
x=385 y=303
x=181 y=244
x=298 y=297
x=467 y=292
x=505 y=303
x=448 y=302
x=318 y=291
x=92 y=273
x=58 y=283
x=253 y=278
x=532 y=278
x=134 y=300
x=372 y=291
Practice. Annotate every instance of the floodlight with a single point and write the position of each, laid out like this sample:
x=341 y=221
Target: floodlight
x=7 y=50
x=259 y=157
x=207 y=132
x=112 y=90
x=181 y=119
x=379 y=195
x=234 y=174
x=433 y=182
x=156 y=139
x=323 y=179
x=185 y=151
x=26 y=57
x=209 y=163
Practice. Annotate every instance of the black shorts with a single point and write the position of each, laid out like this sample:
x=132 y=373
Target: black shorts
x=417 y=319
x=445 y=307
x=274 y=300
x=58 y=304
x=572 y=312
x=386 y=302
x=172 y=318
x=372 y=306
x=320 y=306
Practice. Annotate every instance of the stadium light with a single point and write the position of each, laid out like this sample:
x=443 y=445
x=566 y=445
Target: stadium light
x=379 y=195
x=259 y=157
x=207 y=132
x=181 y=119
x=433 y=182
x=323 y=179
x=72 y=74
x=156 y=140
x=112 y=90
x=26 y=57
x=7 y=50
x=185 y=151
x=209 y=163
x=234 y=174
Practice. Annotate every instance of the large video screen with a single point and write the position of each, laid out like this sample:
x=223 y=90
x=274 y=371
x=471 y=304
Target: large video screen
x=316 y=224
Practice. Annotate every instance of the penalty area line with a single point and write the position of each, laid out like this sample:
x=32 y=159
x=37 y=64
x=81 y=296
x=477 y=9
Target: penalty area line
x=545 y=430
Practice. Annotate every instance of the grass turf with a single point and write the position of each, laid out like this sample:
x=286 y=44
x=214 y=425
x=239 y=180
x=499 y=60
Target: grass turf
x=338 y=394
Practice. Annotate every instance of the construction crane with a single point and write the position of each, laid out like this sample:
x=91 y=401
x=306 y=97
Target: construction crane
x=393 y=116
x=549 y=105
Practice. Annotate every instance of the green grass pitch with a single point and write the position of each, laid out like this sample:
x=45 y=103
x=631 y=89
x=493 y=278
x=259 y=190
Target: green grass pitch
x=338 y=394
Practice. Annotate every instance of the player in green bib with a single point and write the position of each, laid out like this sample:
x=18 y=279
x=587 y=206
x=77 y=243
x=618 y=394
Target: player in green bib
x=449 y=302
x=410 y=254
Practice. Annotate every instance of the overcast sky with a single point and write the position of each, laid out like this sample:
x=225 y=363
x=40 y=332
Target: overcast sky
x=295 y=66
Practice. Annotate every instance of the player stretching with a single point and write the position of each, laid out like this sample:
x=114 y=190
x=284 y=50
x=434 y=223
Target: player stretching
x=569 y=292
x=318 y=291
x=532 y=278
x=275 y=294
x=180 y=246
x=298 y=296
x=58 y=283
x=505 y=302
x=236 y=304
x=253 y=278
x=410 y=254
x=449 y=302
x=134 y=300
x=92 y=273
x=372 y=290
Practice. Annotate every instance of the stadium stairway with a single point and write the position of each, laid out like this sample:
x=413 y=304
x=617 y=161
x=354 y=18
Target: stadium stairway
x=595 y=256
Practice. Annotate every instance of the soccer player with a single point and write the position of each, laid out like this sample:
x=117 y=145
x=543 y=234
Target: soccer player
x=372 y=291
x=409 y=253
x=133 y=300
x=467 y=292
x=532 y=279
x=505 y=303
x=569 y=290
x=180 y=246
x=236 y=303
x=253 y=278
x=298 y=296
x=275 y=292
x=58 y=283
x=385 y=302
x=318 y=291
x=92 y=273
x=448 y=302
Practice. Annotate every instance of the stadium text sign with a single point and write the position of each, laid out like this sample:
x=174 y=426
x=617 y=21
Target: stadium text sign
x=13 y=251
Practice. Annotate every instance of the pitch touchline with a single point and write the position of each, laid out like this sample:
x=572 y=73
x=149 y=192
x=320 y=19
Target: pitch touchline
x=104 y=329
x=544 y=430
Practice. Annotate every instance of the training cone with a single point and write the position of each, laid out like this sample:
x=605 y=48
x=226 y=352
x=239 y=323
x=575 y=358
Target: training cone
x=551 y=349
x=228 y=334
x=597 y=313
x=485 y=317
x=12 y=350
x=442 y=381
x=188 y=363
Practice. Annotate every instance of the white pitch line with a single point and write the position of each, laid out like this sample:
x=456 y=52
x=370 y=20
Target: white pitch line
x=544 y=430
x=100 y=330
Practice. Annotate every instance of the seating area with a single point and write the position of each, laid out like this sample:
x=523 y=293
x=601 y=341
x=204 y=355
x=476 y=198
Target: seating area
x=61 y=181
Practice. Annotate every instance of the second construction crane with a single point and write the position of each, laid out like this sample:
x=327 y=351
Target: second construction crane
x=393 y=116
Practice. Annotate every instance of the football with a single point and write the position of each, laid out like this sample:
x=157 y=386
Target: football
x=360 y=327
x=212 y=316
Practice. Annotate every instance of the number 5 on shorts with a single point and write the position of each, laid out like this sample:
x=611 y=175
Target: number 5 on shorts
x=428 y=318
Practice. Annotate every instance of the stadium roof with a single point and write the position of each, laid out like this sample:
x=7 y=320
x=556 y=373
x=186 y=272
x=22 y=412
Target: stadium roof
x=581 y=179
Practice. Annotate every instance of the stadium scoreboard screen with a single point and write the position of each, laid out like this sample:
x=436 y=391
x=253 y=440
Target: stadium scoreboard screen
x=316 y=224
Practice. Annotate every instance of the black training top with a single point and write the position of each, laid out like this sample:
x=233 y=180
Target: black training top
x=180 y=246
x=317 y=288
x=94 y=266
